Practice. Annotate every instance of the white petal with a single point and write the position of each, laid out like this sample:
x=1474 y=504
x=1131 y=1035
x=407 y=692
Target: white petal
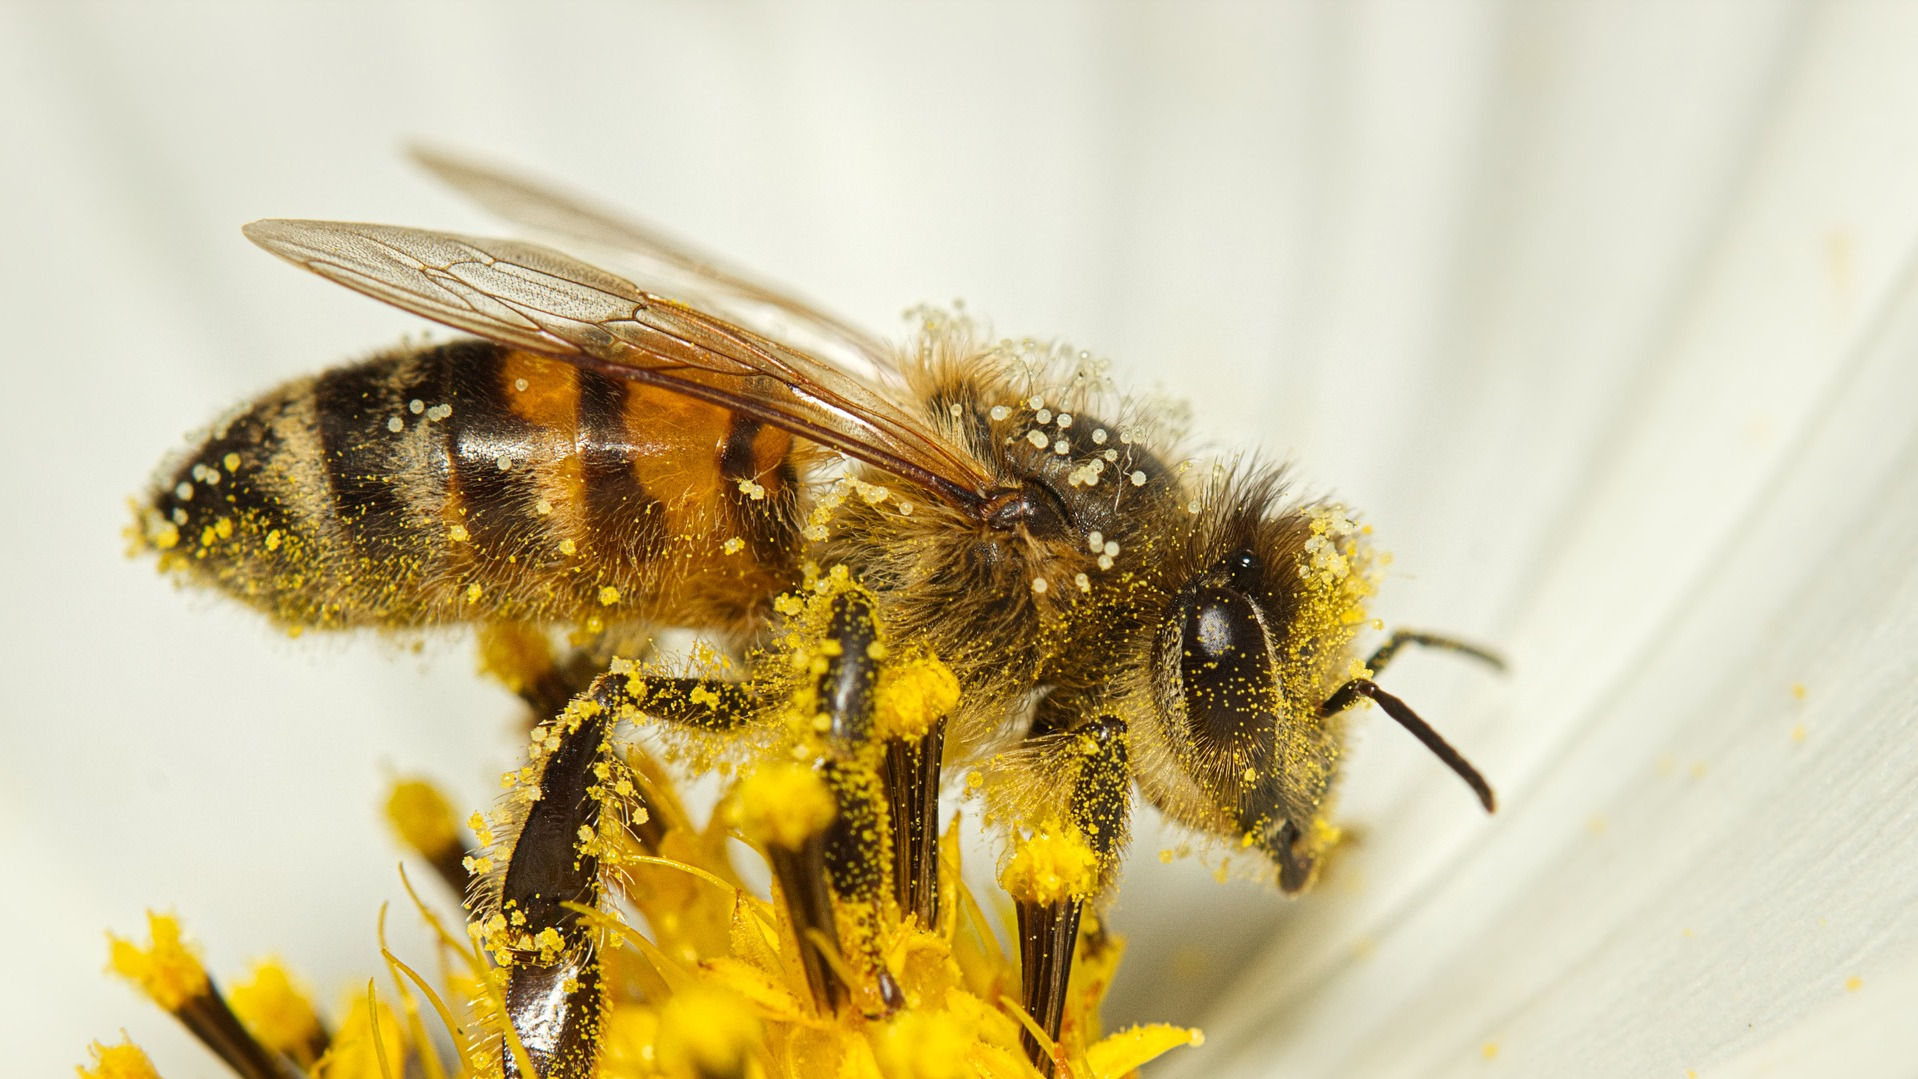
x=1675 y=880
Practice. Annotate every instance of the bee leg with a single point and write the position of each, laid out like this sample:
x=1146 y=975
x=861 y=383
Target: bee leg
x=1402 y=637
x=856 y=843
x=533 y=923
x=705 y=704
x=1051 y=890
x=911 y=780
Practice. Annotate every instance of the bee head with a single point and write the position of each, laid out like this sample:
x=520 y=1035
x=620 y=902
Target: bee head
x=1263 y=603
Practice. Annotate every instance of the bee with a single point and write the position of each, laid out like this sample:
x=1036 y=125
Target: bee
x=1115 y=614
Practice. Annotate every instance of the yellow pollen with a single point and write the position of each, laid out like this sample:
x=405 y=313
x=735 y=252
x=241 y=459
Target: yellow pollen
x=123 y=1061
x=782 y=804
x=422 y=817
x=1051 y=866
x=165 y=970
x=276 y=1011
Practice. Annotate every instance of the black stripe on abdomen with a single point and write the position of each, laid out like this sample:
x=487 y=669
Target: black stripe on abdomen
x=763 y=522
x=736 y=454
x=620 y=516
x=360 y=454
x=502 y=523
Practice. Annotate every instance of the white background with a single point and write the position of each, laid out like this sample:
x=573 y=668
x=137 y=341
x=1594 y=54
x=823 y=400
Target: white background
x=1564 y=299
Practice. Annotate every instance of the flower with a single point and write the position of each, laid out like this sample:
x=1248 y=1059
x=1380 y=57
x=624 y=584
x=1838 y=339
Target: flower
x=704 y=977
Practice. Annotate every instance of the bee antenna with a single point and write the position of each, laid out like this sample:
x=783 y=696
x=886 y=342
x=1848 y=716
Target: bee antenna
x=1400 y=711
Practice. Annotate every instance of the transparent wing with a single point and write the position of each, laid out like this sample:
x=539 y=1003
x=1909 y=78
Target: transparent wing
x=535 y=298
x=562 y=216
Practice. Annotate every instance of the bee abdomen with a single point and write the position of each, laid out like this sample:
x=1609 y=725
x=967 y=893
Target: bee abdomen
x=470 y=481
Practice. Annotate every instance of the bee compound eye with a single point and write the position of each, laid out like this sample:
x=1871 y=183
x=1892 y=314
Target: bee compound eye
x=1227 y=676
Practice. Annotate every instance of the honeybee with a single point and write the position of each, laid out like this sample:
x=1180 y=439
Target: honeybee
x=1114 y=614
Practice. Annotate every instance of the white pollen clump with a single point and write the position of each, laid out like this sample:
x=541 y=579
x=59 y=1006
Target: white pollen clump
x=1064 y=420
x=814 y=533
x=1044 y=416
x=733 y=545
x=1035 y=402
x=1062 y=447
x=542 y=507
x=1192 y=506
x=1105 y=561
x=956 y=409
x=416 y=406
x=904 y=508
x=1084 y=582
x=1138 y=479
x=999 y=412
x=503 y=462
x=1112 y=548
x=520 y=384
x=752 y=490
x=178 y=515
x=1037 y=438
x=183 y=491
x=1039 y=586
x=1111 y=457
x=568 y=548
x=439 y=412
x=1096 y=541
x=395 y=424
x=1099 y=435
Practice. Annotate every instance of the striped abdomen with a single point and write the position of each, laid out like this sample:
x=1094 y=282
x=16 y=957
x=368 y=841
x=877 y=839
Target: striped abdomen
x=471 y=482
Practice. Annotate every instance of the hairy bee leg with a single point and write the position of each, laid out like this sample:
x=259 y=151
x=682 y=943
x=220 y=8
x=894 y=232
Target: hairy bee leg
x=705 y=704
x=553 y=993
x=911 y=780
x=857 y=860
x=1345 y=695
x=1402 y=637
x=1099 y=811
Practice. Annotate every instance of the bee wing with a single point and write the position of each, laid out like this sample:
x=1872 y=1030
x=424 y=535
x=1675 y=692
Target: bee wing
x=535 y=298
x=562 y=216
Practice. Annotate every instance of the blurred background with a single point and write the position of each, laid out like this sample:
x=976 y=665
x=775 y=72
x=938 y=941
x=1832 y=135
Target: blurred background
x=1550 y=293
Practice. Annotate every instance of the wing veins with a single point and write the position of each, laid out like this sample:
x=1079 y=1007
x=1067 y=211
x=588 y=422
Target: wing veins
x=532 y=297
